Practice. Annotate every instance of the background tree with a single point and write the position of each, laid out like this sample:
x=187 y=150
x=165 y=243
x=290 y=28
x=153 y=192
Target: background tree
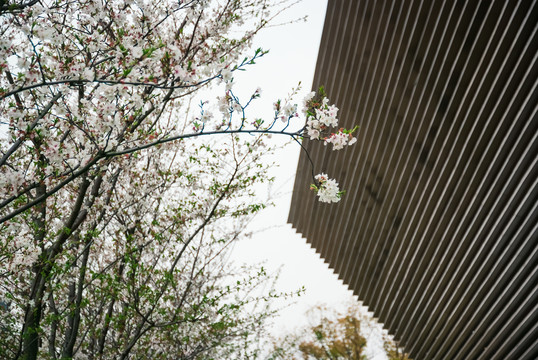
x=332 y=336
x=116 y=206
x=326 y=338
x=393 y=351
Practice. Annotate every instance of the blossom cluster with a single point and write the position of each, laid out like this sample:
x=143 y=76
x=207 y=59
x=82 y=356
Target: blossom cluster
x=324 y=117
x=327 y=190
x=340 y=139
x=320 y=118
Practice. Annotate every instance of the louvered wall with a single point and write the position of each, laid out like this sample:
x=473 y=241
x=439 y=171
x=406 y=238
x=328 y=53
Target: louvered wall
x=437 y=233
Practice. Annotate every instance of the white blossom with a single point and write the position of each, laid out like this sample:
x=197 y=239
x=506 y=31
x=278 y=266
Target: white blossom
x=237 y=107
x=328 y=190
x=226 y=75
x=340 y=139
x=137 y=52
x=206 y=116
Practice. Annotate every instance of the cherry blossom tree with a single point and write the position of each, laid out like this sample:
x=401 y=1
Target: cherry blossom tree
x=117 y=205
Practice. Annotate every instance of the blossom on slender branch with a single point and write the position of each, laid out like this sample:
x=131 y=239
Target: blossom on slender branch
x=206 y=116
x=226 y=75
x=320 y=119
x=340 y=139
x=327 y=189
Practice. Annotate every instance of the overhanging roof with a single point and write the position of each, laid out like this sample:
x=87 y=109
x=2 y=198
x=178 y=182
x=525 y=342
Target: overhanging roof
x=437 y=233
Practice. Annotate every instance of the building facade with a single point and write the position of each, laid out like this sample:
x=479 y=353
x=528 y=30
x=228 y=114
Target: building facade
x=437 y=233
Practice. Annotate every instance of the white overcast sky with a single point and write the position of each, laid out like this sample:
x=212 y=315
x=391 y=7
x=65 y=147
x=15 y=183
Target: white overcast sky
x=292 y=58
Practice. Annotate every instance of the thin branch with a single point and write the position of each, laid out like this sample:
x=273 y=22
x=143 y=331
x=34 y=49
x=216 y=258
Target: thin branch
x=20 y=140
x=308 y=156
x=79 y=82
x=111 y=154
x=54 y=190
x=11 y=8
x=140 y=330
